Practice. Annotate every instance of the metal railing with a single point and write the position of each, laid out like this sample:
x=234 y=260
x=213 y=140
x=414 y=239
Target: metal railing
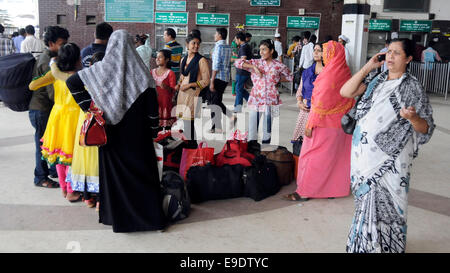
x=290 y=64
x=434 y=77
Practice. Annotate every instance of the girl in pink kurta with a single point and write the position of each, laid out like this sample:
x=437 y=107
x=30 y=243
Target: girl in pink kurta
x=266 y=73
x=324 y=163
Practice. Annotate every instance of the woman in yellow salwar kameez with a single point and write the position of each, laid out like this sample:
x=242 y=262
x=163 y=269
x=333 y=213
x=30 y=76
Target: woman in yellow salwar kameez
x=59 y=137
x=83 y=174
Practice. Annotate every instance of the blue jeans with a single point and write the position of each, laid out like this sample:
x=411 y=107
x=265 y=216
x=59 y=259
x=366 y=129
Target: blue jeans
x=39 y=120
x=241 y=93
x=253 y=125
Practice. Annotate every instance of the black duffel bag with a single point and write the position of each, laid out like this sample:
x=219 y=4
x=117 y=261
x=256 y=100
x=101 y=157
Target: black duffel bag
x=16 y=73
x=261 y=180
x=214 y=183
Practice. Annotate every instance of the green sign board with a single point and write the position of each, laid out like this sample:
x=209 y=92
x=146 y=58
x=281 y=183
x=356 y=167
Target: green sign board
x=175 y=18
x=415 y=26
x=380 y=25
x=129 y=11
x=212 y=19
x=261 y=21
x=303 y=22
x=162 y=5
x=267 y=3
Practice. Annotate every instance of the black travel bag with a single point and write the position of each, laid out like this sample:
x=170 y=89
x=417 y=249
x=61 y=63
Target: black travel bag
x=260 y=180
x=16 y=73
x=213 y=183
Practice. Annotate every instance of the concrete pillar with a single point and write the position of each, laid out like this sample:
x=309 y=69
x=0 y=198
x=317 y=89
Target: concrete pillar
x=355 y=25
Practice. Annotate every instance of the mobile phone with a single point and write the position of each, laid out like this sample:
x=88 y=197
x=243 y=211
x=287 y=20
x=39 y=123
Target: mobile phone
x=381 y=58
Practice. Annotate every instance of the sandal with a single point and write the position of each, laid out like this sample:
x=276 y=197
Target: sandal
x=90 y=203
x=294 y=197
x=73 y=200
x=48 y=184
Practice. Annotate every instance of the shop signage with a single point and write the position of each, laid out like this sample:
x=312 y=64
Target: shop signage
x=267 y=3
x=303 y=22
x=162 y=5
x=176 y=18
x=415 y=26
x=212 y=19
x=380 y=25
x=129 y=11
x=261 y=21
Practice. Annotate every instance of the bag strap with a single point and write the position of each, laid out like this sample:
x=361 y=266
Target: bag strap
x=200 y=145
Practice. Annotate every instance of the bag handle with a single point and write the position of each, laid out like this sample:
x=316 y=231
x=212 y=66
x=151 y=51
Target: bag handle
x=98 y=114
x=200 y=145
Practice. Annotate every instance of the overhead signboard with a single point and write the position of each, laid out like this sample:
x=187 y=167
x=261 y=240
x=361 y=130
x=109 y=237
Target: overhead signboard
x=303 y=22
x=162 y=5
x=212 y=19
x=265 y=3
x=261 y=20
x=129 y=11
x=380 y=25
x=175 y=18
x=415 y=26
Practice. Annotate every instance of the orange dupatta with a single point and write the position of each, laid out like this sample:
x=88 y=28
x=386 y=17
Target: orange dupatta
x=327 y=104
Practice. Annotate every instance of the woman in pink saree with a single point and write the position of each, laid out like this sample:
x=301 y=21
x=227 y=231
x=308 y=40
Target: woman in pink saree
x=324 y=162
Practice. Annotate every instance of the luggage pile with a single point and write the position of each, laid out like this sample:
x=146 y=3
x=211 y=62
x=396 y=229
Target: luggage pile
x=239 y=170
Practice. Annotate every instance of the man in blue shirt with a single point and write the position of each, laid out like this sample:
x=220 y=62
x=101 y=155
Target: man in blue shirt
x=18 y=40
x=102 y=33
x=221 y=58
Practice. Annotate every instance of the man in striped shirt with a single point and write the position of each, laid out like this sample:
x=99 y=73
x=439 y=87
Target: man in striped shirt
x=6 y=44
x=175 y=48
x=221 y=58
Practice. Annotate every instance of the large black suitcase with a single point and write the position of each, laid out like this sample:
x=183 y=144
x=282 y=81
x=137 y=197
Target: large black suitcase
x=16 y=73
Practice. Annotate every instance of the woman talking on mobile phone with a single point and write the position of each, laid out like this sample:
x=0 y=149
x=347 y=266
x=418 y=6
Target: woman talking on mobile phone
x=394 y=118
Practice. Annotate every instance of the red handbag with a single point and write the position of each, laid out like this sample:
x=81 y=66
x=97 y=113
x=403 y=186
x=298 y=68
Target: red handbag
x=196 y=157
x=234 y=153
x=93 y=130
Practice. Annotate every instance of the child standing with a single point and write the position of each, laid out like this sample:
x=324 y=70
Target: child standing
x=165 y=86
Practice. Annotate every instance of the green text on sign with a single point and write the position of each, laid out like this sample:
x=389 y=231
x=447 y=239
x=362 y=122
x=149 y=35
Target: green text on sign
x=261 y=20
x=162 y=5
x=303 y=22
x=129 y=11
x=415 y=26
x=380 y=25
x=212 y=19
x=267 y=3
x=178 y=18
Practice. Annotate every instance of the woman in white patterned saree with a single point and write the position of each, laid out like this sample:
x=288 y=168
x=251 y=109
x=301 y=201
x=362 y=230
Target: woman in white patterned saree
x=394 y=118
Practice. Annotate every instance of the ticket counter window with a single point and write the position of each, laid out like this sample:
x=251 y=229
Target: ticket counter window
x=180 y=30
x=208 y=42
x=259 y=34
x=377 y=40
x=297 y=32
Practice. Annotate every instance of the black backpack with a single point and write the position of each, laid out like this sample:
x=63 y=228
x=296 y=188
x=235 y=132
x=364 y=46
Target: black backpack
x=16 y=73
x=176 y=201
x=213 y=183
x=261 y=180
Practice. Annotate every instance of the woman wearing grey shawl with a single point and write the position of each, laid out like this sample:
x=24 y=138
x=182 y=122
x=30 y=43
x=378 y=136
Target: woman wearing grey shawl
x=121 y=86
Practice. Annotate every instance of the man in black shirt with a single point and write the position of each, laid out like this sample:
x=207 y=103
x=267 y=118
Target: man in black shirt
x=102 y=33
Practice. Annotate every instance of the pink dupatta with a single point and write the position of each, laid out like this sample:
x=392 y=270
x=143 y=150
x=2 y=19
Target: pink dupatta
x=327 y=104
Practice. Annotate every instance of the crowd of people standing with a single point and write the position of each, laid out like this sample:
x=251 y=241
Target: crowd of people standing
x=114 y=75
